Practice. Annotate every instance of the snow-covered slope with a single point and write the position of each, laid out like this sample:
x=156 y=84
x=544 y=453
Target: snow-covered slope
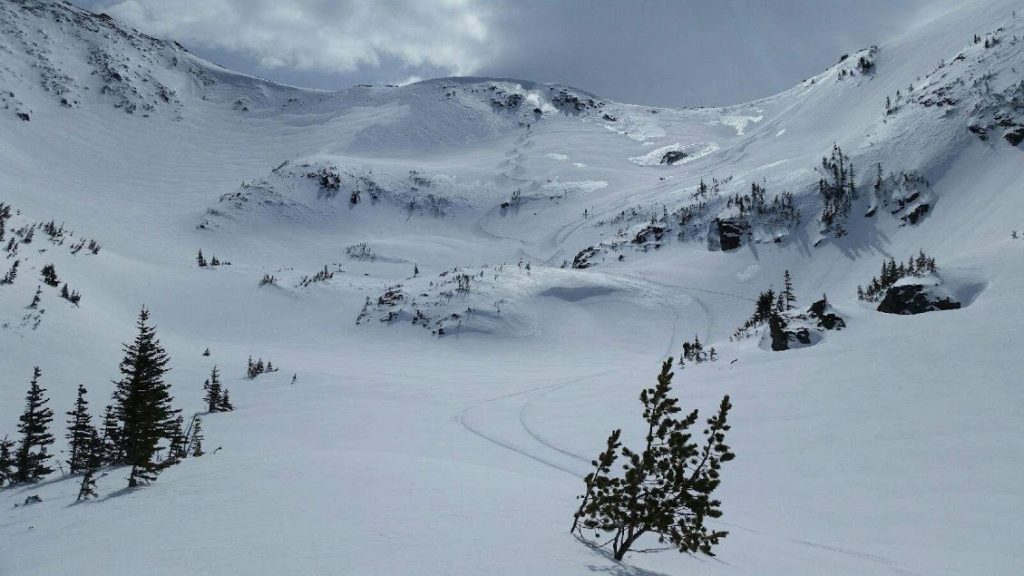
x=506 y=265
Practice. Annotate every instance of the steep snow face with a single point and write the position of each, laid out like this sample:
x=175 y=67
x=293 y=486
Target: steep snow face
x=471 y=280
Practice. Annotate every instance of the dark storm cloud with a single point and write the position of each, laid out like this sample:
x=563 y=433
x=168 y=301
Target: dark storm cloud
x=658 y=52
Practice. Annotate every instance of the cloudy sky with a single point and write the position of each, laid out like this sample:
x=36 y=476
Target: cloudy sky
x=657 y=52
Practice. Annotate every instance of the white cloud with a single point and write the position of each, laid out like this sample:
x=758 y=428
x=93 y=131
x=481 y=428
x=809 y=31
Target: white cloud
x=334 y=35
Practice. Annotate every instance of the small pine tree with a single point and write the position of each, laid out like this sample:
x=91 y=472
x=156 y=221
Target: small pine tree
x=196 y=441
x=787 y=291
x=111 y=439
x=13 y=273
x=6 y=462
x=200 y=259
x=87 y=489
x=776 y=329
x=80 y=434
x=34 y=426
x=143 y=403
x=225 y=403
x=93 y=461
x=213 y=391
x=178 y=449
x=49 y=274
x=38 y=297
x=765 y=305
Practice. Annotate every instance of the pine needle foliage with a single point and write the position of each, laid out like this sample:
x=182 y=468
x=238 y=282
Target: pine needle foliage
x=665 y=489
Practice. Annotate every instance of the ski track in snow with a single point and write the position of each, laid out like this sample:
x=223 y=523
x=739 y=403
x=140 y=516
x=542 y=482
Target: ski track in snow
x=463 y=419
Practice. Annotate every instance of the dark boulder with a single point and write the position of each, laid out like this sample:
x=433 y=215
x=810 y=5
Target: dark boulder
x=1015 y=136
x=915 y=299
x=916 y=214
x=731 y=232
x=649 y=233
x=673 y=156
x=582 y=259
x=827 y=319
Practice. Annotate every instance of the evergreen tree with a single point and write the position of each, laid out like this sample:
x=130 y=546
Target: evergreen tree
x=49 y=274
x=666 y=488
x=142 y=403
x=111 y=440
x=81 y=434
x=34 y=426
x=36 y=298
x=6 y=462
x=177 y=450
x=213 y=391
x=196 y=442
x=787 y=291
x=225 y=403
x=200 y=260
x=87 y=489
x=765 y=305
x=13 y=273
x=776 y=330
x=5 y=215
x=93 y=461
